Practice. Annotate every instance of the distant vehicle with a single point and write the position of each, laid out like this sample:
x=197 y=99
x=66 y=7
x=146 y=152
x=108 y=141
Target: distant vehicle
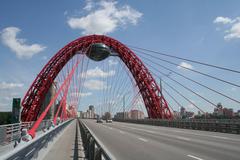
x=108 y=120
x=99 y=120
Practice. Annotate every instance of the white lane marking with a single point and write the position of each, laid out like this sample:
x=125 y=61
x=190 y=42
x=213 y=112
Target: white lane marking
x=16 y=158
x=30 y=152
x=139 y=129
x=189 y=155
x=122 y=132
x=183 y=138
x=151 y=132
x=142 y=139
x=220 y=137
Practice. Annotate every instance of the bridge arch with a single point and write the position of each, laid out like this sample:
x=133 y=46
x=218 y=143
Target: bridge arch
x=155 y=103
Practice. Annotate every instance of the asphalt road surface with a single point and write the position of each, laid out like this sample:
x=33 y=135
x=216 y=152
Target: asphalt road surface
x=127 y=141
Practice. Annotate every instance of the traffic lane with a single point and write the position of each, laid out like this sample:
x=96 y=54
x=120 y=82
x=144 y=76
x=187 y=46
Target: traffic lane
x=130 y=146
x=216 y=141
x=205 y=149
x=231 y=139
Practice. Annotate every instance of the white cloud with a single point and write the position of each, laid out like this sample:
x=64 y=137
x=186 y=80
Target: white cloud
x=112 y=62
x=184 y=65
x=233 y=32
x=17 y=45
x=89 y=5
x=223 y=20
x=105 y=19
x=232 y=25
x=5 y=85
x=95 y=85
x=97 y=72
x=78 y=94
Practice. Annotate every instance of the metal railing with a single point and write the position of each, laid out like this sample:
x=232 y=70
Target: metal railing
x=12 y=132
x=94 y=149
x=215 y=125
x=30 y=149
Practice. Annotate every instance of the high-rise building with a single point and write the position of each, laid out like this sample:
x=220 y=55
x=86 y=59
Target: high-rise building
x=16 y=106
x=89 y=114
x=182 y=111
x=91 y=107
x=50 y=94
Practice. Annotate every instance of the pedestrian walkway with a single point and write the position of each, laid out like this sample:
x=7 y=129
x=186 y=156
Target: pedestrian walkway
x=68 y=146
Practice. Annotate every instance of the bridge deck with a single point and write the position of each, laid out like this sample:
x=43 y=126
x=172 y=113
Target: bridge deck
x=141 y=142
x=68 y=146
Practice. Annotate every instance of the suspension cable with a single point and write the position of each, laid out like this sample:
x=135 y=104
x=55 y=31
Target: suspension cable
x=184 y=86
x=185 y=59
x=193 y=70
x=213 y=90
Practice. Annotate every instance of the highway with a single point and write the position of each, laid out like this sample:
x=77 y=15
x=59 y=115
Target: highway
x=140 y=142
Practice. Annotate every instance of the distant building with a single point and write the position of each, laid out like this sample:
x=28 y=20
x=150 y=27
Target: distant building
x=91 y=107
x=122 y=115
x=185 y=114
x=50 y=94
x=182 y=111
x=228 y=112
x=221 y=111
x=176 y=115
x=238 y=112
x=218 y=111
x=136 y=114
x=89 y=114
x=16 y=106
x=199 y=113
x=189 y=114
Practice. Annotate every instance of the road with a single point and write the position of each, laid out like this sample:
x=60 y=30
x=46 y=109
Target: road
x=140 y=142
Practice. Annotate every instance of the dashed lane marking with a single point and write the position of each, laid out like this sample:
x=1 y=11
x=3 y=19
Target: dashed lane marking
x=194 y=157
x=142 y=139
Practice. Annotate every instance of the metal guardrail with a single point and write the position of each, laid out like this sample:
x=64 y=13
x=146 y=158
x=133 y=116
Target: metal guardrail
x=12 y=132
x=94 y=149
x=30 y=149
x=215 y=125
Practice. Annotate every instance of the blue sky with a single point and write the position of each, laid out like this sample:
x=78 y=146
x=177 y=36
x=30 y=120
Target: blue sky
x=183 y=28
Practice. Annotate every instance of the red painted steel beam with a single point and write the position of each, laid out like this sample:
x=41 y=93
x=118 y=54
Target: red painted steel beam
x=44 y=113
x=154 y=101
x=62 y=101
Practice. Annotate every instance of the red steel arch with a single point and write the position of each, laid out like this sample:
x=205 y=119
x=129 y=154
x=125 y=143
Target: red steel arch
x=155 y=103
